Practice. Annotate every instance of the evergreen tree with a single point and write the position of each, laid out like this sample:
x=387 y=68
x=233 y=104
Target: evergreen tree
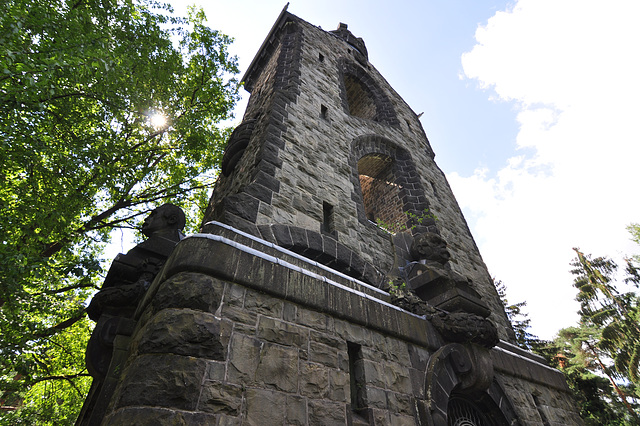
x=520 y=321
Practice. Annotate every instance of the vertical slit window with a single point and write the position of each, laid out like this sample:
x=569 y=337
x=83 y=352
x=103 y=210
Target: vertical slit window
x=327 y=218
x=357 y=379
x=323 y=111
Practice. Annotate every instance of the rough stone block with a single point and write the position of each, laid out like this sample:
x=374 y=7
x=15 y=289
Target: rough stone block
x=263 y=304
x=162 y=380
x=313 y=319
x=289 y=312
x=296 y=411
x=326 y=413
x=323 y=354
x=239 y=315
x=263 y=405
x=234 y=295
x=278 y=367
x=339 y=385
x=189 y=290
x=151 y=416
x=244 y=356
x=399 y=403
x=276 y=331
x=419 y=357
x=260 y=192
x=352 y=332
x=397 y=378
x=328 y=339
x=376 y=397
x=185 y=332
x=314 y=380
x=219 y=398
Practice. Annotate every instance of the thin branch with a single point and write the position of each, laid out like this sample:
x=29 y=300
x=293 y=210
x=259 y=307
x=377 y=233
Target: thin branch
x=59 y=327
x=60 y=377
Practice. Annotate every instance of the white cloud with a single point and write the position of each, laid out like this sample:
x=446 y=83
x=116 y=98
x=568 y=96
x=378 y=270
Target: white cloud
x=572 y=68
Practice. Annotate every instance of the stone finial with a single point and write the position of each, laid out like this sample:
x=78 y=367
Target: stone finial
x=356 y=42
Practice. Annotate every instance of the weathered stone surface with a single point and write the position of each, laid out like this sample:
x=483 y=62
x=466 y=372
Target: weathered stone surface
x=239 y=315
x=244 y=356
x=148 y=416
x=185 y=332
x=278 y=367
x=215 y=371
x=265 y=407
x=162 y=380
x=234 y=295
x=189 y=290
x=339 y=386
x=326 y=413
x=323 y=354
x=264 y=304
x=277 y=331
x=296 y=411
x=352 y=333
x=328 y=339
x=219 y=398
x=399 y=403
x=293 y=333
x=314 y=380
x=396 y=378
x=313 y=319
x=376 y=397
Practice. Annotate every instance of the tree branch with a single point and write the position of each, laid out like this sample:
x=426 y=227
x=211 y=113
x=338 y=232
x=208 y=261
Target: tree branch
x=59 y=327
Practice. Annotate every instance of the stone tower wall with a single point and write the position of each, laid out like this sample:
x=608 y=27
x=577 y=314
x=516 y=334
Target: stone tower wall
x=278 y=314
x=304 y=153
x=239 y=331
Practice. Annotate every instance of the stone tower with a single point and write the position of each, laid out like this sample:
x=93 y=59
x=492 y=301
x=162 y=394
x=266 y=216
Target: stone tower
x=335 y=280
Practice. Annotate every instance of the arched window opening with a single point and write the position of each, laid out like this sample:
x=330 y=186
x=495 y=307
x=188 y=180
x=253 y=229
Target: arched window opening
x=381 y=193
x=361 y=103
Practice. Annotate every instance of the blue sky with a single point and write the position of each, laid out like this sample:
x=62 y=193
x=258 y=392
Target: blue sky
x=531 y=107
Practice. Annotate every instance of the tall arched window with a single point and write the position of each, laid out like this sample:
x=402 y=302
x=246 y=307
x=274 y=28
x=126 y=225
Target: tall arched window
x=380 y=192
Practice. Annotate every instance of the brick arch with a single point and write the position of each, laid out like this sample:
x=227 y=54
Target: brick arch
x=410 y=190
x=353 y=73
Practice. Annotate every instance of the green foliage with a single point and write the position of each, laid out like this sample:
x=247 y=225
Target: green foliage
x=79 y=83
x=573 y=353
x=519 y=319
x=615 y=314
x=606 y=342
x=415 y=219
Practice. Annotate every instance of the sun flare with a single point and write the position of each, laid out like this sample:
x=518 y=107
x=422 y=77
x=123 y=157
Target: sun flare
x=158 y=120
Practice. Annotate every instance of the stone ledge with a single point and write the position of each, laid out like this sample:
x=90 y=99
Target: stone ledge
x=280 y=249
x=514 y=363
x=229 y=260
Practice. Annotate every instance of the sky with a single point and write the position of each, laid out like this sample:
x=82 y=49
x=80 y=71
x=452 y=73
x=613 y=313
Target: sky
x=531 y=106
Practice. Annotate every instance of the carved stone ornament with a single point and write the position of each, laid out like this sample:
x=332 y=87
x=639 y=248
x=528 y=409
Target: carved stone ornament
x=463 y=368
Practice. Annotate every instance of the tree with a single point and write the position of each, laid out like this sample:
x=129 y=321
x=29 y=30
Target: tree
x=107 y=108
x=520 y=321
x=615 y=314
x=575 y=353
x=609 y=333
